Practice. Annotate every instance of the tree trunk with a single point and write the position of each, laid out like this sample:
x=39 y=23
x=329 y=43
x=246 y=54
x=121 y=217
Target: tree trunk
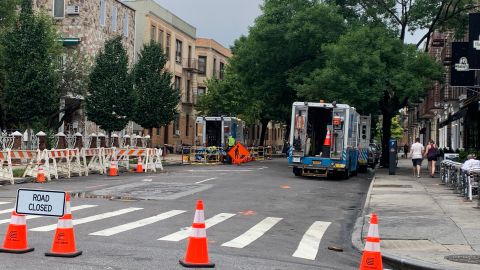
x=264 y=131
x=386 y=134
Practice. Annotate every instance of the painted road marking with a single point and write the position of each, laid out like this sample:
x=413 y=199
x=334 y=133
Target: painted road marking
x=5 y=202
x=75 y=208
x=205 y=180
x=147 y=180
x=253 y=233
x=180 y=235
x=138 y=223
x=219 y=170
x=6 y=211
x=308 y=247
x=88 y=219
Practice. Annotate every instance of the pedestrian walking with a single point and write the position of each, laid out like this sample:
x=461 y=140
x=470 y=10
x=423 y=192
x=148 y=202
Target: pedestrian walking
x=431 y=153
x=416 y=152
x=405 y=150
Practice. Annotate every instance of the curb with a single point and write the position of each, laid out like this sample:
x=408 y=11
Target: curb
x=399 y=263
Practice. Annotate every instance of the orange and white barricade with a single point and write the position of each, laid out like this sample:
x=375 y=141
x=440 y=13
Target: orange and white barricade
x=92 y=159
x=124 y=155
x=33 y=160
x=6 y=171
x=60 y=162
x=74 y=161
x=108 y=154
x=153 y=159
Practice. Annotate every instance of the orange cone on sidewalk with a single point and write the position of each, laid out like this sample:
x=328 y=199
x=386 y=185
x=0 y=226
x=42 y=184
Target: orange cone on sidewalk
x=113 y=169
x=16 y=236
x=40 y=175
x=64 y=241
x=372 y=257
x=197 y=249
x=139 y=165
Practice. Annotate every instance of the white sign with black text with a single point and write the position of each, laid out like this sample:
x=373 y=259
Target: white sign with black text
x=40 y=202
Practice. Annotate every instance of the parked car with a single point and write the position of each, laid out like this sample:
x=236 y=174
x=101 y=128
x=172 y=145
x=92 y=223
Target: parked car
x=374 y=154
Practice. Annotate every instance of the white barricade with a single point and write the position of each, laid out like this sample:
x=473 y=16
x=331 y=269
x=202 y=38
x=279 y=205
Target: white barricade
x=108 y=154
x=74 y=161
x=6 y=171
x=93 y=160
x=124 y=155
x=153 y=159
x=33 y=159
x=60 y=162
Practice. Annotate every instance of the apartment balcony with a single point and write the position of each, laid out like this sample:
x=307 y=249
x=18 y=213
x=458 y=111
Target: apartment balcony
x=452 y=93
x=432 y=102
x=447 y=54
x=438 y=40
x=190 y=64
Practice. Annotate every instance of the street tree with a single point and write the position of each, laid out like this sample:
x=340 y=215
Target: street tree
x=283 y=45
x=371 y=69
x=110 y=99
x=31 y=84
x=412 y=15
x=156 y=97
x=396 y=130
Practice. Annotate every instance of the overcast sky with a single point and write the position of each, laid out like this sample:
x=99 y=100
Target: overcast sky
x=225 y=20
x=221 y=20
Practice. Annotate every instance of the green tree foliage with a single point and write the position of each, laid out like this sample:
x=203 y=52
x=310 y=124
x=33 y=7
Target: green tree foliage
x=374 y=71
x=283 y=45
x=412 y=15
x=110 y=98
x=31 y=86
x=396 y=129
x=156 y=98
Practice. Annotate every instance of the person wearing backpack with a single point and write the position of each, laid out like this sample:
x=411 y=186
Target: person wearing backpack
x=431 y=153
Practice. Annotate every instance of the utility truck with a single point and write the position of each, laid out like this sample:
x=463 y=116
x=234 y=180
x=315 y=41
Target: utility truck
x=324 y=140
x=215 y=130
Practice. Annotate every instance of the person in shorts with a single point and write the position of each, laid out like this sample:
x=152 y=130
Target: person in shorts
x=416 y=152
x=431 y=153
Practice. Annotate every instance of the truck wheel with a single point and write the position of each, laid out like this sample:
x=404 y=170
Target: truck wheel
x=363 y=169
x=297 y=171
x=354 y=173
x=346 y=175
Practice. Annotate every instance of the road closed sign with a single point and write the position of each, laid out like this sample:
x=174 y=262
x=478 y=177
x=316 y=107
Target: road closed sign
x=40 y=202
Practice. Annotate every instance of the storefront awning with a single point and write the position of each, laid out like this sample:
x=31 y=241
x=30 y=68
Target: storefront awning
x=458 y=115
x=68 y=42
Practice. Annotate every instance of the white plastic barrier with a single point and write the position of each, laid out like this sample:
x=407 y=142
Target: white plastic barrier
x=33 y=160
x=92 y=159
x=60 y=163
x=153 y=159
x=74 y=161
x=6 y=171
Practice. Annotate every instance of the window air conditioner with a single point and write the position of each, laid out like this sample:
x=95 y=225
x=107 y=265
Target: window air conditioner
x=177 y=132
x=73 y=10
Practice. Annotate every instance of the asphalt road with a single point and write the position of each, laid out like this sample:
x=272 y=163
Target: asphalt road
x=260 y=214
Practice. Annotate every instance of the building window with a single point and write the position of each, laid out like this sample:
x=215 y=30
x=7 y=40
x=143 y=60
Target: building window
x=176 y=124
x=153 y=33
x=125 y=25
x=178 y=52
x=222 y=70
x=178 y=82
x=103 y=12
x=167 y=49
x=201 y=91
x=59 y=9
x=214 y=75
x=202 y=65
x=188 y=91
x=158 y=131
x=187 y=123
x=114 y=18
x=160 y=37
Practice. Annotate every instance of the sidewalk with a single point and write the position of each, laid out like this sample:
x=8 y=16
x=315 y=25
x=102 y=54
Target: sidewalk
x=420 y=221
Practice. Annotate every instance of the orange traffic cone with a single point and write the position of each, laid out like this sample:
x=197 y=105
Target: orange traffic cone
x=372 y=257
x=113 y=169
x=64 y=240
x=139 y=165
x=40 y=175
x=328 y=139
x=16 y=236
x=197 y=249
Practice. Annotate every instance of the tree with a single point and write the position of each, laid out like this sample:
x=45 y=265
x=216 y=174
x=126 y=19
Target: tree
x=412 y=15
x=156 y=98
x=396 y=130
x=110 y=99
x=31 y=85
x=374 y=71
x=283 y=45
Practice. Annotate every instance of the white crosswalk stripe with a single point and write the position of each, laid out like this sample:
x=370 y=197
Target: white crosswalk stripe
x=75 y=208
x=138 y=223
x=308 y=247
x=253 y=233
x=4 y=203
x=180 y=235
x=9 y=210
x=88 y=219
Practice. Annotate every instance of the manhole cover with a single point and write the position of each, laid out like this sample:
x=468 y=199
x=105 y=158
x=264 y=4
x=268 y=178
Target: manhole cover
x=471 y=259
x=393 y=186
x=150 y=191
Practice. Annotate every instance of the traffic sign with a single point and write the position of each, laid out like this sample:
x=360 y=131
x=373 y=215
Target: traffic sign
x=238 y=153
x=40 y=202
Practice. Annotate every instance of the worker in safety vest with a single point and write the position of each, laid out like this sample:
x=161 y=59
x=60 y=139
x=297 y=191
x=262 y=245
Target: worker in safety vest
x=231 y=143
